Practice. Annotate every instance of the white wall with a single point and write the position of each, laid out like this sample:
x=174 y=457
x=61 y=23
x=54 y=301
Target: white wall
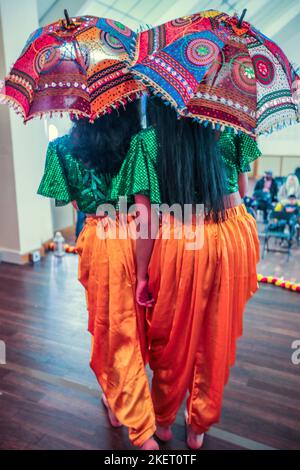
x=22 y=149
x=9 y=228
x=62 y=217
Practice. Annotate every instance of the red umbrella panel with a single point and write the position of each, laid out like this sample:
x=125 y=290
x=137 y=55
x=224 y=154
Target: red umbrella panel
x=215 y=71
x=78 y=68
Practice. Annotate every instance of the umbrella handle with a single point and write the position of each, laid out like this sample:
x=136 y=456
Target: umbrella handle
x=67 y=17
x=241 y=18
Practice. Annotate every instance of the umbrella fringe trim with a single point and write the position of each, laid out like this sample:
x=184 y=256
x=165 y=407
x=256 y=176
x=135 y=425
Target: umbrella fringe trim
x=221 y=126
x=134 y=51
x=156 y=90
x=283 y=124
x=13 y=104
x=132 y=48
x=132 y=96
x=58 y=113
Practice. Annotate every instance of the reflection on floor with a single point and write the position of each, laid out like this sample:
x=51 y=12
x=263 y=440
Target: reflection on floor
x=50 y=399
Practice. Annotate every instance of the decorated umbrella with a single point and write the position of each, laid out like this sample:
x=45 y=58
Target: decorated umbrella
x=75 y=65
x=219 y=69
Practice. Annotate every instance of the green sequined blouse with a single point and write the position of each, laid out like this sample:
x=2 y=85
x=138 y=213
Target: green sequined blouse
x=66 y=179
x=237 y=152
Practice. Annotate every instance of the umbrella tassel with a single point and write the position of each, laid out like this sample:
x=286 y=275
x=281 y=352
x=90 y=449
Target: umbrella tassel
x=132 y=48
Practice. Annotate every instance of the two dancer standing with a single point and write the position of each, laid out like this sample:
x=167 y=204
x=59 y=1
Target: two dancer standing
x=190 y=333
x=155 y=300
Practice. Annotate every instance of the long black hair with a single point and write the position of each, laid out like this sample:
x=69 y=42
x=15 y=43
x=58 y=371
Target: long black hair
x=189 y=165
x=103 y=145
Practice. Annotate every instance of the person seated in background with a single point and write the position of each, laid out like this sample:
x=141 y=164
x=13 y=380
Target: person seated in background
x=297 y=173
x=291 y=208
x=290 y=188
x=265 y=192
x=267 y=184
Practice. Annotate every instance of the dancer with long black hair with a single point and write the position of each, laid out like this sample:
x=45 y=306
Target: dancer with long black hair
x=199 y=294
x=84 y=168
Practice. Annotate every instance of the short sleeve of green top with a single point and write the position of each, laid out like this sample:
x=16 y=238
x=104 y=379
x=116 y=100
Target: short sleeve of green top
x=54 y=183
x=66 y=179
x=237 y=152
x=138 y=174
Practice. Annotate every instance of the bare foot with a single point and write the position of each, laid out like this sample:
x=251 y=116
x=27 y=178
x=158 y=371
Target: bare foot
x=112 y=419
x=150 y=444
x=164 y=433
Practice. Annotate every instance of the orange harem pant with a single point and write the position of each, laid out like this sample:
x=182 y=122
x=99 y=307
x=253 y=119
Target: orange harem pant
x=192 y=329
x=117 y=323
x=198 y=316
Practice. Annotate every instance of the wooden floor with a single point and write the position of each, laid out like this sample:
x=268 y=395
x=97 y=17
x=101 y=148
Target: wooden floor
x=50 y=399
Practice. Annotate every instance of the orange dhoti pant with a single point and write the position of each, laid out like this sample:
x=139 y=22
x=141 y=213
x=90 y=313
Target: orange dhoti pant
x=119 y=351
x=198 y=316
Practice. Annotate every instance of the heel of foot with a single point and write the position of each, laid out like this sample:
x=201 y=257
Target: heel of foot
x=150 y=444
x=164 y=433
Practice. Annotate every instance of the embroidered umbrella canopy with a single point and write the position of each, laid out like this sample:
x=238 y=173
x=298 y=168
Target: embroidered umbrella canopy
x=217 y=69
x=75 y=66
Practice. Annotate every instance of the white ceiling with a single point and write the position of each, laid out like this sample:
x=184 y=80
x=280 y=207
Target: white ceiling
x=278 y=19
x=43 y=7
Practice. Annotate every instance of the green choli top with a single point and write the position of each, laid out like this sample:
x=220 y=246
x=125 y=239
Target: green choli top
x=237 y=152
x=66 y=179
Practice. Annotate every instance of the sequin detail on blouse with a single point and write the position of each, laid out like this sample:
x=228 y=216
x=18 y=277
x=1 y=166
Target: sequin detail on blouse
x=66 y=179
x=138 y=174
x=237 y=152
